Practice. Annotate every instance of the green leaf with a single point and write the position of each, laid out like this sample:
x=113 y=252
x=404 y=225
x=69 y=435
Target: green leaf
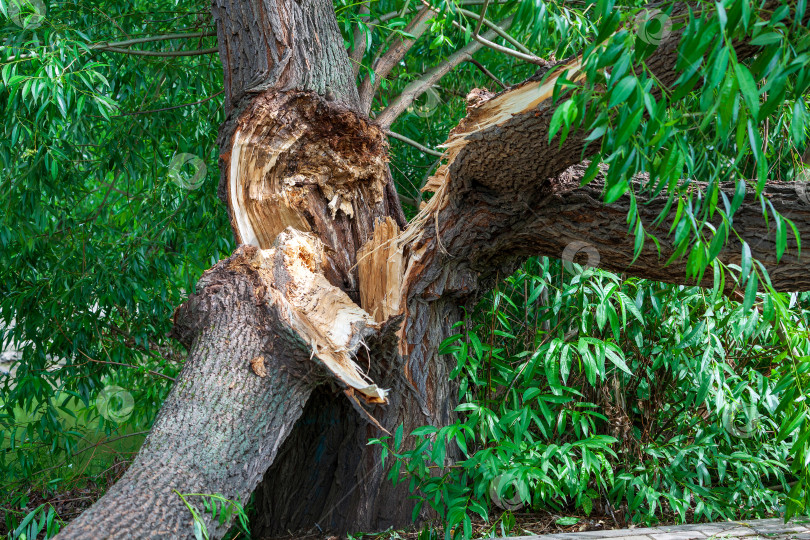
x=767 y=39
x=739 y=197
x=750 y=292
x=748 y=88
x=617 y=360
x=622 y=90
x=798 y=124
x=781 y=237
x=564 y=115
x=398 y=437
x=627 y=128
x=587 y=505
x=693 y=336
x=745 y=263
x=615 y=191
x=718 y=242
x=200 y=532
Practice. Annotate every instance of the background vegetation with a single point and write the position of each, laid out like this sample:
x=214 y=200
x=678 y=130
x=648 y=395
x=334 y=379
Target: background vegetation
x=584 y=393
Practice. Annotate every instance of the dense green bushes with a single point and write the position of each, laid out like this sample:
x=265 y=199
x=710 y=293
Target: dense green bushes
x=581 y=391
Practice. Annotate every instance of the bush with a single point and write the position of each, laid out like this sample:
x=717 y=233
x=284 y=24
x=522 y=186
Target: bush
x=580 y=391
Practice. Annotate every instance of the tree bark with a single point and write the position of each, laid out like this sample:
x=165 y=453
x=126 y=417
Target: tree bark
x=222 y=422
x=296 y=156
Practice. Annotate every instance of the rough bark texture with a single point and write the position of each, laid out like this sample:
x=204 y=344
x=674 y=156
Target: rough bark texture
x=222 y=422
x=569 y=213
x=490 y=232
x=268 y=44
x=291 y=157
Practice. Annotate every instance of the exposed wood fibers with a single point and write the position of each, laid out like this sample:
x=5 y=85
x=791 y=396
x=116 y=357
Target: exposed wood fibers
x=320 y=313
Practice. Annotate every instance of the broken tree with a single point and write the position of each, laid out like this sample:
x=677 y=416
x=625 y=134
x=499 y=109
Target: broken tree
x=322 y=329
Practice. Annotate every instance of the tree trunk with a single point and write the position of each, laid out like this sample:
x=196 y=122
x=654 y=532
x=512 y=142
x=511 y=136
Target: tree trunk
x=323 y=328
x=222 y=422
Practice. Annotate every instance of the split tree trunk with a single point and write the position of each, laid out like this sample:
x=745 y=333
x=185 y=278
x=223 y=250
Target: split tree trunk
x=324 y=328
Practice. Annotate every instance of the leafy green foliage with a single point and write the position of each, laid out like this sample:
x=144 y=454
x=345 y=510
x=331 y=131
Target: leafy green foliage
x=42 y=519
x=221 y=509
x=647 y=401
x=97 y=243
x=721 y=121
x=577 y=390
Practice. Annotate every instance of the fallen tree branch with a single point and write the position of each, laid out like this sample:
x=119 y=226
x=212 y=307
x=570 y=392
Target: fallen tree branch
x=493 y=186
x=222 y=422
x=570 y=215
x=484 y=141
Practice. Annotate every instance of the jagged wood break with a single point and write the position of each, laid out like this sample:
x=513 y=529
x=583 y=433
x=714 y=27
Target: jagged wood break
x=332 y=307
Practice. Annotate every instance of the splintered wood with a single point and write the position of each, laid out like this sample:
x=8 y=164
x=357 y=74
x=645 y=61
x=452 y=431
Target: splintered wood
x=380 y=268
x=320 y=313
x=483 y=113
x=296 y=162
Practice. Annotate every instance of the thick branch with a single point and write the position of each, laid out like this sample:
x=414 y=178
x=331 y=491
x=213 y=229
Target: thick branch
x=481 y=148
x=573 y=217
x=265 y=329
x=499 y=159
x=223 y=421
